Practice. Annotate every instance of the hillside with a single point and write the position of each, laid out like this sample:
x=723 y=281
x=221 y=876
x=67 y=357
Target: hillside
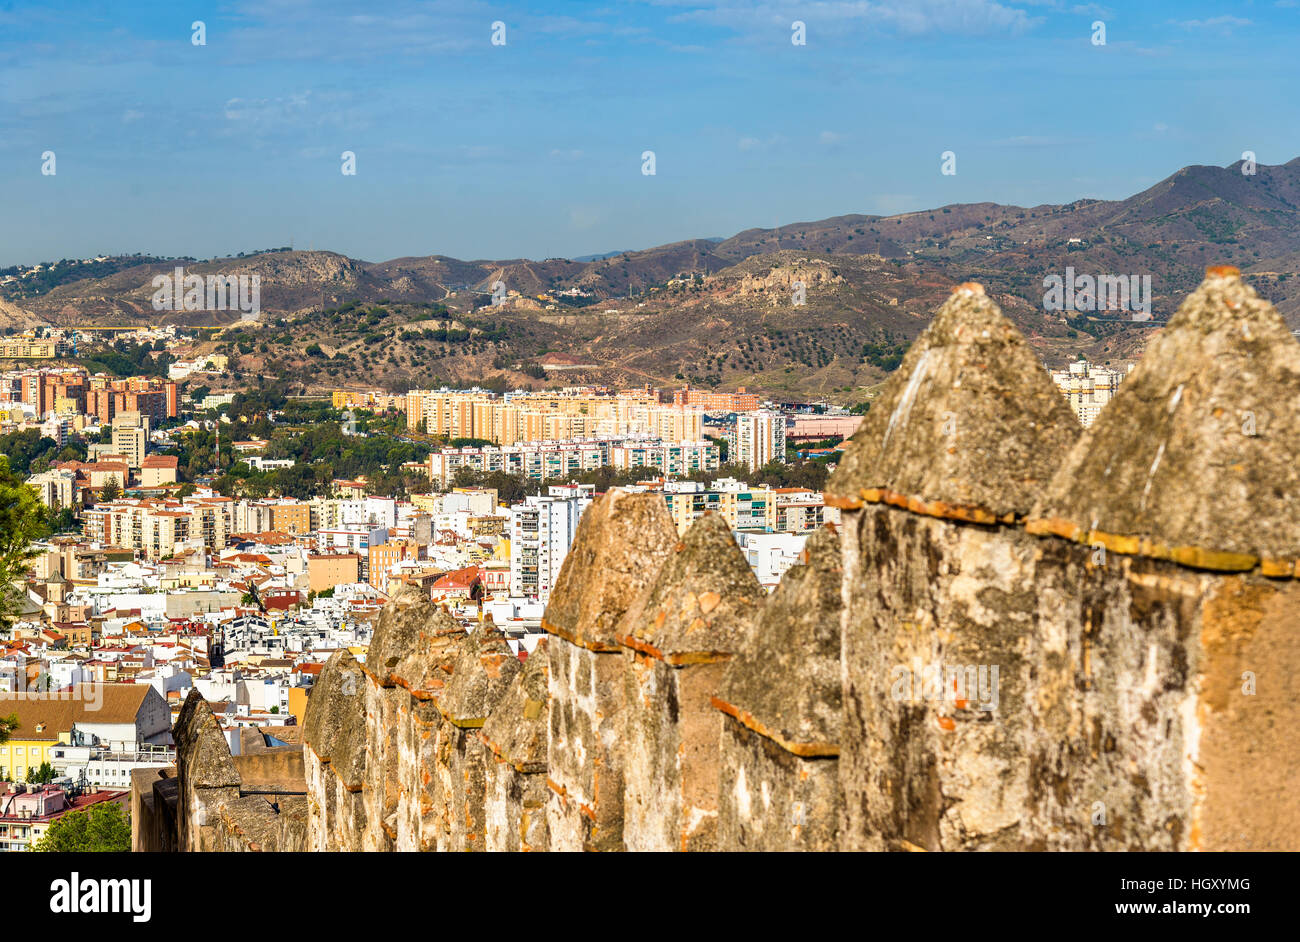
x=720 y=312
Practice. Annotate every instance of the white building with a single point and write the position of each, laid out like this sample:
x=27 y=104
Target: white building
x=541 y=531
x=1088 y=387
x=770 y=554
x=756 y=438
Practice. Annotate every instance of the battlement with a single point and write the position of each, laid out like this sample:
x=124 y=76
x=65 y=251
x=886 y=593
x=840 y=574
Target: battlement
x=1023 y=636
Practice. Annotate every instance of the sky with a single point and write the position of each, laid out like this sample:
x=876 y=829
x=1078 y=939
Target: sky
x=532 y=147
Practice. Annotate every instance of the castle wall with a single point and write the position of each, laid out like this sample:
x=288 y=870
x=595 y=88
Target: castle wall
x=1021 y=637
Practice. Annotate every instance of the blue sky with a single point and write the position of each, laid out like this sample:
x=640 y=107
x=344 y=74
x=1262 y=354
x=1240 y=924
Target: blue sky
x=533 y=148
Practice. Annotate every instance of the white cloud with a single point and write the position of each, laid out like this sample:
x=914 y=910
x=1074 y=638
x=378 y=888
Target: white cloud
x=1221 y=23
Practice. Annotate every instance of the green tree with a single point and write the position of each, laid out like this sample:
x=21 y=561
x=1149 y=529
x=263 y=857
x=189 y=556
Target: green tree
x=111 y=489
x=41 y=775
x=22 y=519
x=103 y=828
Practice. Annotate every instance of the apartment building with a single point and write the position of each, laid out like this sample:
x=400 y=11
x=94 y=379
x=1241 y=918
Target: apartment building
x=580 y=412
x=327 y=570
x=384 y=556
x=549 y=460
x=763 y=509
x=56 y=487
x=756 y=438
x=711 y=401
x=1088 y=387
x=157 y=527
x=32 y=348
x=130 y=438
x=670 y=458
x=273 y=516
x=541 y=531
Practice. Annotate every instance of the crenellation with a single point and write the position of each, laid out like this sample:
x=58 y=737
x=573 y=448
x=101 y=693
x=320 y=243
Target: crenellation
x=680 y=634
x=782 y=721
x=515 y=735
x=626 y=538
x=481 y=676
x=1022 y=636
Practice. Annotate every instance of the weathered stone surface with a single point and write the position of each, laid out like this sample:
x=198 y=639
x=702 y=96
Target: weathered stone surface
x=334 y=727
x=206 y=772
x=931 y=758
x=204 y=759
x=697 y=613
x=1183 y=671
x=262 y=824
x=153 y=810
x=213 y=810
x=410 y=637
x=624 y=538
x=481 y=675
x=970 y=426
x=516 y=730
x=787 y=678
x=780 y=694
x=584 y=809
x=969 y=432
x=515 y=736
x=1195 y=458
x=334 y=740
x=408 y=665
x=621 y=541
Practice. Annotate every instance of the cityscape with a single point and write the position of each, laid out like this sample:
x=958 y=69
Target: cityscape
x=664 y=427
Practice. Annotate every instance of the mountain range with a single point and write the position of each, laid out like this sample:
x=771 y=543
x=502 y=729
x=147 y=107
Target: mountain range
x=722 y=312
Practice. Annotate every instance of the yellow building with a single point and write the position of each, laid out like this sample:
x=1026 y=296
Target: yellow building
x=326 y=570
x=298 y=704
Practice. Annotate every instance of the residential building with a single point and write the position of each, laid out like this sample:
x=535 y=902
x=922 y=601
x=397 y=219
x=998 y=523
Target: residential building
x=541 y=531
x=756 y=438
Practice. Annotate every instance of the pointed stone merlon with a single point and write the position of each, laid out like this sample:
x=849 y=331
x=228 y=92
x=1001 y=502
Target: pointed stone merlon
x=938 y=586
x=206 y=772
x=782 y=715
x=515 y=737
x=621 y=542
x=699 y=611
x=1171 y=545
x=334 y=755
x=970 y=426
x=481 y=676
x=214 y=812
x=407 y=666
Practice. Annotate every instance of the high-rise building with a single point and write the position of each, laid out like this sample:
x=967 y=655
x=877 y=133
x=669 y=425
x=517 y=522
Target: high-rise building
x=129 y=440
x=756 y=438
x=541 y=531
x=1088 y=387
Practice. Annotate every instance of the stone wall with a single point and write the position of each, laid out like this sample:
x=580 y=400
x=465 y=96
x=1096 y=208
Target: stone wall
x=1023 y=636
x=215 y=809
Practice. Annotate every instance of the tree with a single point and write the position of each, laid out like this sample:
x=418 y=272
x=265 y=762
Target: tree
x=102 y=828
x=111 y=489
x=41 y=775
x=22 y=519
